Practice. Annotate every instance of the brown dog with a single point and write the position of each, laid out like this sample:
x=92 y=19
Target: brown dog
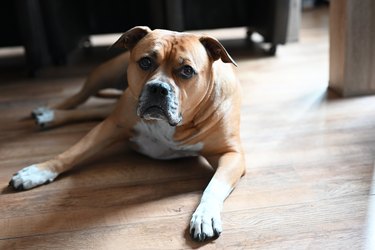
x=181 y=100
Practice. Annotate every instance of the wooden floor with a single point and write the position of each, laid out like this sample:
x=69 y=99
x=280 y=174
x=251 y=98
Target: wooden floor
x=309 y=156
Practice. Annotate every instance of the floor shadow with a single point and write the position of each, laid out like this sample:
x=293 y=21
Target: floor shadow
x=13 y=67
x=195 y=244
x=110 y=183
x=245 y=49
x=331 y=95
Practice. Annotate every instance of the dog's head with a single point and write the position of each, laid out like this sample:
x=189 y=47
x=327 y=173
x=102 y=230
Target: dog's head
x=170 y=73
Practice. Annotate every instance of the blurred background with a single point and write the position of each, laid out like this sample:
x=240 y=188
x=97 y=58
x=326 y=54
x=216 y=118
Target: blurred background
x=41 y=33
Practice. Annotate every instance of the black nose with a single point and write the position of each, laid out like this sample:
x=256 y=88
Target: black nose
x=158 y=89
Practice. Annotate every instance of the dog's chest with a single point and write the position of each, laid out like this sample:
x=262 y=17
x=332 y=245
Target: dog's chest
x=156 y=140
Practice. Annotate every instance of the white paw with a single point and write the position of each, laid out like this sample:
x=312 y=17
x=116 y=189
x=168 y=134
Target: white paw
x=30 y=177
x=206 y=222
x=43 y=116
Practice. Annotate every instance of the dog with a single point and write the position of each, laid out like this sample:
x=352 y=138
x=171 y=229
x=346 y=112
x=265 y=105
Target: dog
x=181 y=98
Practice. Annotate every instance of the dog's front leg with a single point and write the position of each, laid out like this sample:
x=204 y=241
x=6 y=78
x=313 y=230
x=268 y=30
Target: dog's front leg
x=206 y=221
x=98 y=138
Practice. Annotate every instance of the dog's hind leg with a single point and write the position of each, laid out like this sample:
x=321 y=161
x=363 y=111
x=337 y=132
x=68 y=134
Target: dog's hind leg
x=55 y=118
x=111 y=74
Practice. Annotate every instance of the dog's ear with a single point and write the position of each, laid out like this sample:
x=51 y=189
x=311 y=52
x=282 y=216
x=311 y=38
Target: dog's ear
x=216 y=50
x=131 y=37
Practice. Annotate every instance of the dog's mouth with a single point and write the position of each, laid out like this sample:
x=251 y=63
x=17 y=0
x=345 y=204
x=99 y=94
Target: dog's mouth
x=156 y=112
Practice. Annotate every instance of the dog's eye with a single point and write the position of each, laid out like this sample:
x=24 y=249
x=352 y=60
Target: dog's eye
x=145 y=63
x=187 y=72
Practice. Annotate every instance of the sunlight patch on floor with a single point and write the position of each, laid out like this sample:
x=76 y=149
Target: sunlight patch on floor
x=370 y=224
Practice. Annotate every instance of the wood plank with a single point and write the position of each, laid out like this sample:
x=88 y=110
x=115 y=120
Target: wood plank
x=327 y=225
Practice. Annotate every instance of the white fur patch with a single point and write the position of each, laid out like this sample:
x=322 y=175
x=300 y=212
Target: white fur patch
x=155 y=139
x=32 y=176
x=43 y=115
x=206 y=221
x=217 y=190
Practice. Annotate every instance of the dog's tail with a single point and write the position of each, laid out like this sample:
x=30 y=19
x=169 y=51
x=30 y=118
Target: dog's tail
x=109 y=94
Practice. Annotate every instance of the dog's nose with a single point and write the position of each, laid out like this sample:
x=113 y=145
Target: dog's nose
x=159 y=88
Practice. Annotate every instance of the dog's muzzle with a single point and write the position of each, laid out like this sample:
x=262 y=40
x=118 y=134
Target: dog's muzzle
x=158 y=101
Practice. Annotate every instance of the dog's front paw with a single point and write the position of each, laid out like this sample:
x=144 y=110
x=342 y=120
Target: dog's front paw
x=30 y=177
x=206 y=222
x=43 y=116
